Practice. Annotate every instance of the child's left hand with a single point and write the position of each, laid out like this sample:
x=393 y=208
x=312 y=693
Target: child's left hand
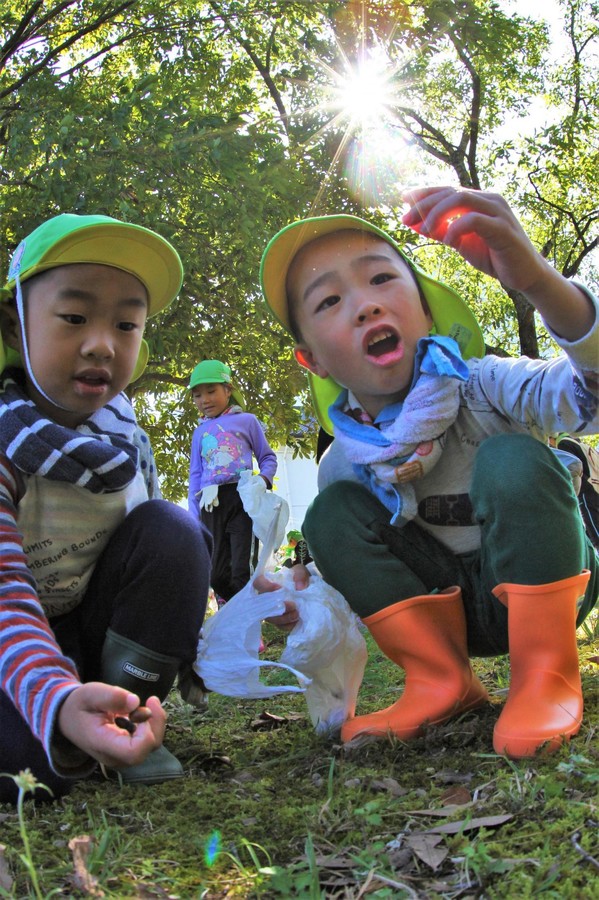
x=482 y=228
x=290 y=617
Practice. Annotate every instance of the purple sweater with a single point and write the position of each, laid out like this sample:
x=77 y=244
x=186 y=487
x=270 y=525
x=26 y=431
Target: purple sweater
x=222 y=448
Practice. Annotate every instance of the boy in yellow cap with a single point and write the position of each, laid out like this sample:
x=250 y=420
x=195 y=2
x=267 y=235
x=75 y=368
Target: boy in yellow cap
x=103 y=584
x=460 y=529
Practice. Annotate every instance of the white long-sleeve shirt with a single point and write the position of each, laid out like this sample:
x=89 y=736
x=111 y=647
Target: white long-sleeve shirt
x=526 y=396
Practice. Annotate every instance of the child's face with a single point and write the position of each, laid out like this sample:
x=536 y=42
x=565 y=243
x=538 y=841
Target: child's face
x=84 y=327
x=360 y=315
x=211 y=399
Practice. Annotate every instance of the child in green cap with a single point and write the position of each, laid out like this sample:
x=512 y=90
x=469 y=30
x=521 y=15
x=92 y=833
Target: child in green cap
x=223 y=446
x=103 y=584
x=443 y=517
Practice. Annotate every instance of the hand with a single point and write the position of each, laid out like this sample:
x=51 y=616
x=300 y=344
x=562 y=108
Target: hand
x=286 y=620
x=290 y=617
x=209 y=497
x=87 y=719
x=482 y=228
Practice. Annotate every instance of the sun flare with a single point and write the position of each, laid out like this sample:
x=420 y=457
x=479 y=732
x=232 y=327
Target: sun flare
x=364 y=93
x=360 y=102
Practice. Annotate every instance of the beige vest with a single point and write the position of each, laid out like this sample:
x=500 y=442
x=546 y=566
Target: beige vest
x=65 y=529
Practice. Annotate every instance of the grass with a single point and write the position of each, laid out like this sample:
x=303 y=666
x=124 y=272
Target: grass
x=268 y=809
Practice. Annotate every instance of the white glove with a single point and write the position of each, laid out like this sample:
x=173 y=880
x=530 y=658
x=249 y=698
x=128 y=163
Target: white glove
x=209 y=497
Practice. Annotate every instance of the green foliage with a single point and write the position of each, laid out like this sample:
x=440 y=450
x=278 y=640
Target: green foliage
x=215 y=123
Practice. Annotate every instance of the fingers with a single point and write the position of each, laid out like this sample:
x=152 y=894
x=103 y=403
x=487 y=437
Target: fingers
x=263 y=586
x=445 y=213
x=288 y=619
x=157 y=722
x=301 y=577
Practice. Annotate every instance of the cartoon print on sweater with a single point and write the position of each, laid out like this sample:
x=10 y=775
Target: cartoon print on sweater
x=223 y=453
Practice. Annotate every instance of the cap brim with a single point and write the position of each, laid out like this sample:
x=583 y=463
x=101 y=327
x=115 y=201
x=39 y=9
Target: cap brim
x=451 y=314
x=131 y=248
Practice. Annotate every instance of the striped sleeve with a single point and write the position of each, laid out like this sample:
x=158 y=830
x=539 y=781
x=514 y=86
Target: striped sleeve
x=34 y=673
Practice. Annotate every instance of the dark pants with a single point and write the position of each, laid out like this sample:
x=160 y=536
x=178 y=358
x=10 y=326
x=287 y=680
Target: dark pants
x=235 y=547
x=531 y=533
x=150 y=585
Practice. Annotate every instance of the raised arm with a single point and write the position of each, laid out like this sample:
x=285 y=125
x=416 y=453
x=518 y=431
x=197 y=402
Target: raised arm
x=485 y=232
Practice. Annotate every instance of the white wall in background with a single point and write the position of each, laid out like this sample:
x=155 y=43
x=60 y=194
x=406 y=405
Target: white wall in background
x=295 y=481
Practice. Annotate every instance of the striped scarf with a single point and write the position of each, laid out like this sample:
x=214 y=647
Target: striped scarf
x=98 y=455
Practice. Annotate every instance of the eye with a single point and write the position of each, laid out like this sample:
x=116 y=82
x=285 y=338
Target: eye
x=128 y=326
x=72 y=318
x=381 y=278
x=328 y=302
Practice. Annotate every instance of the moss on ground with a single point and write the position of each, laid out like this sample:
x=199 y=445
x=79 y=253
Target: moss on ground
x=271 y=812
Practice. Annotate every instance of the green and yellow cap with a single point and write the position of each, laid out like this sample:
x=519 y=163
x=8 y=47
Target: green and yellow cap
x=68 y=238
x=213 y=371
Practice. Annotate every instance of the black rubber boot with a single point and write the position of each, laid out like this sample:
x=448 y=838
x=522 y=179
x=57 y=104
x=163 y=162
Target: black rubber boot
x=146 y=673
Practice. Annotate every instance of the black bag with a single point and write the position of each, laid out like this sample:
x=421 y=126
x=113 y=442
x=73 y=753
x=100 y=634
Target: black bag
x=588 y=497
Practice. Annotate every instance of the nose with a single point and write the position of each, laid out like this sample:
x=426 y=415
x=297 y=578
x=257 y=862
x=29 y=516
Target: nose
x=366 y=311
x=99 y=344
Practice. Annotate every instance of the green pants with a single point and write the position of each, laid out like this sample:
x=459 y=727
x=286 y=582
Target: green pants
x=531 y=533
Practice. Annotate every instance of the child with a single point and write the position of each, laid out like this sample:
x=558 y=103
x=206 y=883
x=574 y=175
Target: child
x=221 y=449
x=461 y=531
x=104 y=585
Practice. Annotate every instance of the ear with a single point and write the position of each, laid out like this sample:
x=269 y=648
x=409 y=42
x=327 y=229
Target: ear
x=307 y=360
x=10 y=327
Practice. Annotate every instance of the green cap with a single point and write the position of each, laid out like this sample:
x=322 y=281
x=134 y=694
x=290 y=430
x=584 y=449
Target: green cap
x=451 y=315
x=213 y=371
x=68 y=239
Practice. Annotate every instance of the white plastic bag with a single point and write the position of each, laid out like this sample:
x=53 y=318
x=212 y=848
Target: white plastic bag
x=263 y=506
x=325 y=650
x=227 y=659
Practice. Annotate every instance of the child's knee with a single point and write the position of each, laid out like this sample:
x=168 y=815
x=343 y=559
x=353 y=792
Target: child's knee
x=167 y=528
x=516 y=468
x=331 y=512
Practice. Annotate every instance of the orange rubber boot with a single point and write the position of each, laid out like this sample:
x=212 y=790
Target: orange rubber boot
x=426 y=636
x=544 y=704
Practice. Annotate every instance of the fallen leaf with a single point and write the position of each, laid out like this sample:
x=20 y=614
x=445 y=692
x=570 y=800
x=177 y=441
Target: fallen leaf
x=334 y=862
x=447 y=776
x=470 y=824
x=425 y=846
x=456 y=795
x=441 y=813
x=390 y=785
x=153 y=892
x=6 y=880
x=83 y=880
x=266 y=721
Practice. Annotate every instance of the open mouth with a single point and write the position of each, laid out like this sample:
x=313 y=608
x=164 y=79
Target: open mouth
x=94 y=382
x=93 y=379
x=383 y=342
